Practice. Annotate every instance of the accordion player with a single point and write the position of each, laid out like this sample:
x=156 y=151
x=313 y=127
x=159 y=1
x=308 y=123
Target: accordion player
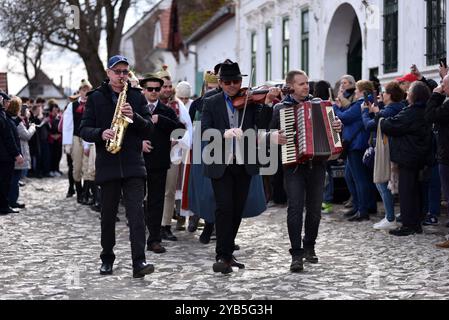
x=309 y=132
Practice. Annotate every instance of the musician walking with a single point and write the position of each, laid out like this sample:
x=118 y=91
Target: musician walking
x=304 y=184
x=121 y=172
x=230 y=178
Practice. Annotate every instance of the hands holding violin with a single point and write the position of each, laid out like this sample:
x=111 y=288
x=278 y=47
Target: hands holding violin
x=273 y=93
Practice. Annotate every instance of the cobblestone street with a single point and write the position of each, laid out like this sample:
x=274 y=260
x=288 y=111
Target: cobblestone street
x=51 y=251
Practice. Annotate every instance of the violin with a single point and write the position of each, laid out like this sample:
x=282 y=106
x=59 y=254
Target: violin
x=256 y=95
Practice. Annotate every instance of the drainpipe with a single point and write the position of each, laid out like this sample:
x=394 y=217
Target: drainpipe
x=196 y=67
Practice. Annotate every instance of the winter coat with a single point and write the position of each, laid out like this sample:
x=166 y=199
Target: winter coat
x=97 y=117
x=437 y=112
x=410 y=137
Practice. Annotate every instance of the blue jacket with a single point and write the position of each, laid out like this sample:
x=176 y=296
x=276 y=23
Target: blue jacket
x=389 y=111
x=353 y=125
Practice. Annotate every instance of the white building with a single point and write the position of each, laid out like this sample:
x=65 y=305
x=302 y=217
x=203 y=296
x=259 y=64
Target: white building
x=326 y=38
x=329 y=38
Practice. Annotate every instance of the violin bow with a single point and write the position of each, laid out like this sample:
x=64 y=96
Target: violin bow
x=247 y=96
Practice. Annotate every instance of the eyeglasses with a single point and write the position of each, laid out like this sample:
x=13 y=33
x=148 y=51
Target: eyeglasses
x=151 y=89
x=118 y=72
x=228 y=83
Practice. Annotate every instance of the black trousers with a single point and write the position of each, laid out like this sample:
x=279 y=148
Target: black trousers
x=6 y=172
x=305 y=186
x=133 y=195
x=55 y=155
x=154 y=208
x=231 y=192
x=410 y=197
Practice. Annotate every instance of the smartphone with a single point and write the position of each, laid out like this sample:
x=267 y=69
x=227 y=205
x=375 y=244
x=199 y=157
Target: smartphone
x=443 y=62
x=366 y=97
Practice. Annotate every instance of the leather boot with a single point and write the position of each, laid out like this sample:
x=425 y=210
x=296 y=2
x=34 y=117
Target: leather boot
x=79 y=192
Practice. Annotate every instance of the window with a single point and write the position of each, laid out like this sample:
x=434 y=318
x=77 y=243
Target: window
x=268 y=39
x=436 y=31
x=253 y=56
x=285 y=47
x=390 y=36
x=305 y=41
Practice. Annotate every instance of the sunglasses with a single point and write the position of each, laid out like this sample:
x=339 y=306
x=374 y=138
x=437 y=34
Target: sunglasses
x=229 y=82
x=151 y=89
x=118 y=72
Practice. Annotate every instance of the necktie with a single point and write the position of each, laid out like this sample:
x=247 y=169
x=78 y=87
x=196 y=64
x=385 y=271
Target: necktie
x=152 y=107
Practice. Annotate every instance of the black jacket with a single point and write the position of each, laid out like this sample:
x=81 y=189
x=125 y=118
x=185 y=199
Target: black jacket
x=159 y=157
x=97 y=117
x=9 y=138
x=411 y=137
x=215 y=116
x=437 y=112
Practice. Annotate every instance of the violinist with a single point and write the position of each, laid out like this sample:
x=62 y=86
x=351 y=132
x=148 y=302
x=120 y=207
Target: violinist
x=304 y=183
x=231 y=178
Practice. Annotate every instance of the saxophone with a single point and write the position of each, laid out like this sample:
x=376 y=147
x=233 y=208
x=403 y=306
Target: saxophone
x=119 y=124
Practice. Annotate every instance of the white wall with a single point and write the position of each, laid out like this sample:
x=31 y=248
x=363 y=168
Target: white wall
x=215 y=47
x=327 y=58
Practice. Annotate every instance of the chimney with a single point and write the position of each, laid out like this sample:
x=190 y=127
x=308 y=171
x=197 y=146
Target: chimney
x=60 y=82
x=4 y=81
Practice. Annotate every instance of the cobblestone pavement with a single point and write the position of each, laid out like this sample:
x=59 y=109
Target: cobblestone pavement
x=51 y=251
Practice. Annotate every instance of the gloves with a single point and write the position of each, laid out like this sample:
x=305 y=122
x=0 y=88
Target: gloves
x=233 y=133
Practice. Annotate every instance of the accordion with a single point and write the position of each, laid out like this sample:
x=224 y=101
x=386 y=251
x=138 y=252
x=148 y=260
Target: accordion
x=308 y=127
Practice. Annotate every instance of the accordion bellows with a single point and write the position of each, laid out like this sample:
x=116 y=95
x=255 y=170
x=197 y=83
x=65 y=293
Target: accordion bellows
x=310 y=136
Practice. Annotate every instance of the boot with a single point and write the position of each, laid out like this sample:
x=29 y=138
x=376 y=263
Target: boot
x=166 y=233
x=79 y=192
x=207 y=233
x=97 y=198
x=86 y=193
x=90 y=193
x=193 y=223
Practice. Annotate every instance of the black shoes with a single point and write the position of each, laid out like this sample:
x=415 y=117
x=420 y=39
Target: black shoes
x=235 y=263
x=358 y=217
x=406 y=231
x=8 y=210
x=70 y=192
x=106 y=268
x=18 y=206
x=222 y=266
x=142 y=269
x=193 y=223
x=156 y=247
x=310 y=256
x=207 y=233
x=349 y=213
x=166 y=234
x=297 y=264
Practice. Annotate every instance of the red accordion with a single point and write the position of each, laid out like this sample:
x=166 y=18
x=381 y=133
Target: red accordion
x=308 y=127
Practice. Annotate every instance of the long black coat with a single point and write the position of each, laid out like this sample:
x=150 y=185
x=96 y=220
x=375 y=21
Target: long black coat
x=411 y=137
x=9 y=138
x=97 y=117
x=215 y=116
x=159 y=157
x=437 y=112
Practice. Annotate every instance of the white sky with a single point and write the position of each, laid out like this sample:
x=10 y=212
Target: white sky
x=57 y=63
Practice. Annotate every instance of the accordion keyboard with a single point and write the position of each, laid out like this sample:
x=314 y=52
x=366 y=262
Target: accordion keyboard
x=287 y=119
x=331 y=119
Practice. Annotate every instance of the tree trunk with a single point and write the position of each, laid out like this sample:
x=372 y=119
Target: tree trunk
x=95 y=70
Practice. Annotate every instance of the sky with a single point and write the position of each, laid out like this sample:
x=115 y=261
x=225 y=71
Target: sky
x=57 y=63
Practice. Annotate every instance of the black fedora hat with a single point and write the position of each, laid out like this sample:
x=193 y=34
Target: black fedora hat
x=230 y=71
x=150 y=77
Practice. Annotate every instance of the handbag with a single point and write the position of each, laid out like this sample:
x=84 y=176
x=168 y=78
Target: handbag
x=382 y=166
x=368 y=156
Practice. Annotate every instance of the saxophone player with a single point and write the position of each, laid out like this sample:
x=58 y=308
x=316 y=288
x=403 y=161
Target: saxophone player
x=123 y=172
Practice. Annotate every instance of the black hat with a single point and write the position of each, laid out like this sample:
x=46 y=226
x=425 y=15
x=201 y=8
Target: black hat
x=230 y=71
x=150 y=77
x=5 y=96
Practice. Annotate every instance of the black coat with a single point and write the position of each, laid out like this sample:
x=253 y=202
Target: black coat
x=437 y=112
x=159 y=157
x=97 y=117
x=411 y=137
x=215 y=116
x=9 y=138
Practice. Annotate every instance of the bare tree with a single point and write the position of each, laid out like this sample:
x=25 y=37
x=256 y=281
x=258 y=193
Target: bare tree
x=34 y=25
